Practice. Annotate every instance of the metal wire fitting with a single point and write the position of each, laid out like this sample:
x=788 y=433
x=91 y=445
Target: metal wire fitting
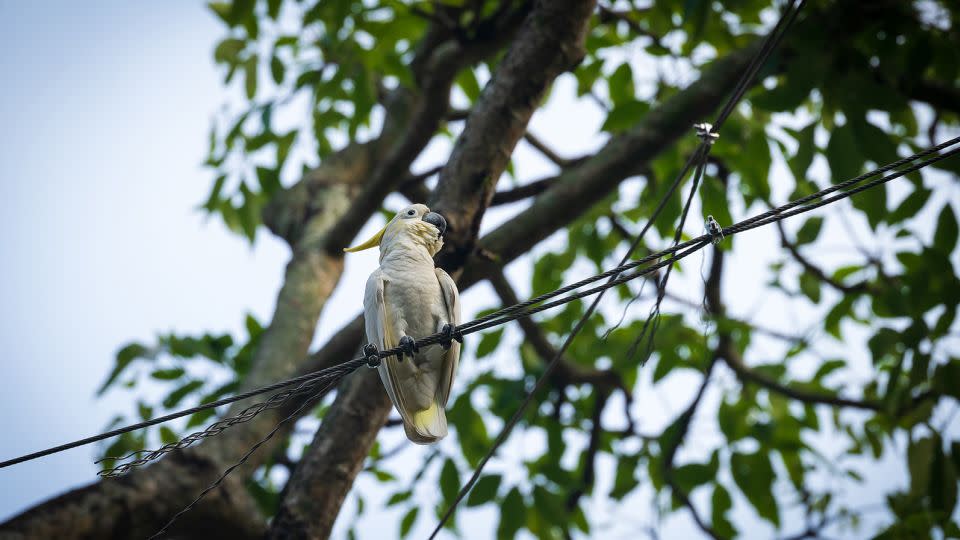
x=714 y=230
x=706 y=133
x=450 y=333
x=372 y=355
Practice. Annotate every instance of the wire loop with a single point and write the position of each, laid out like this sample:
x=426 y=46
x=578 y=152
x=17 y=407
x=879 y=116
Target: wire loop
x=372 y=355
x=714 y=230
x=449 y=333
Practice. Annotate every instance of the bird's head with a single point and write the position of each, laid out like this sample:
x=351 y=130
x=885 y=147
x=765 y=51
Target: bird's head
x=415 y=225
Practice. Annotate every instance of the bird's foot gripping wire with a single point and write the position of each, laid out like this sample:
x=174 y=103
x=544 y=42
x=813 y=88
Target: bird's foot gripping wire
x=714 y=230
x=372 y=355
x=450 y=333
x=408 y=346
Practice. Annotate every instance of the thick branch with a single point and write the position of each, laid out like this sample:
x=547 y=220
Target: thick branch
x=551 y=42
x=305 y=215
x=551 y=39
x=429 y=112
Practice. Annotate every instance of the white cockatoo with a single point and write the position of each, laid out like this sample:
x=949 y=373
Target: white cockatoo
x=408 y=298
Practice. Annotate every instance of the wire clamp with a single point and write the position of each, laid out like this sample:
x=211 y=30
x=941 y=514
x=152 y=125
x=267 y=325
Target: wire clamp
x=448 y=334
x=714 y=230
x=706 y=133
x=372 y=355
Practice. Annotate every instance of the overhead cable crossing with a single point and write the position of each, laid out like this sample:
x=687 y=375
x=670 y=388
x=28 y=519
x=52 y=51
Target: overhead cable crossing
x=536 y=305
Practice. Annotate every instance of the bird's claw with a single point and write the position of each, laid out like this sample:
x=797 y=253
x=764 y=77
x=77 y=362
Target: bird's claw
x=408 y=346
x=450 y=333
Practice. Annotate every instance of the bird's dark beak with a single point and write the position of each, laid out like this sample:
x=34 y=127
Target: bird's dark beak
x=437 y=221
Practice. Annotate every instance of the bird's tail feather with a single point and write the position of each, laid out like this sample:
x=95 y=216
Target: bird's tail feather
x=427 y=426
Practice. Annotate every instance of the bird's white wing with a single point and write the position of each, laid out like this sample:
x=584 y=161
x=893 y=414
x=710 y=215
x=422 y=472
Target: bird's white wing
x=382 y=332
x=451 y=300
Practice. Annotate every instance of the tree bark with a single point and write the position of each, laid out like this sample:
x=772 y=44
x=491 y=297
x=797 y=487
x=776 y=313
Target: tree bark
x=305 y=215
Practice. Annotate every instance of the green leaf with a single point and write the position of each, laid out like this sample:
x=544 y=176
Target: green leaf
x=786 y=96
x=214 y=200
x=843 y=155
x=268 y=499
x=513 y=514
x=721 y=503
x=399 y=497
x=408 y=520
x=277 y=69
x=873 y=142
x=227 y=50
x=754 y=476
x=911 y=205
x=809 y=231
x=691 y=475
x=221 y=10
x=273 y=8
x=587 y=75
x=467 y=81
x=168 y=436
x=625 y=480
x=269 y=180
x=827 y=368
x=485 y=490
x=621 y=86
x=625 y=116
x=945 y=239
x=919 y=458
x=806 y=149
x=125 y=356
x=873 y=203
x=489 y=342
x=167 y=374
x=250 y=71
x=382 y=475
x=810 y=286
x=175 y=397
x=145 y=411
x=943 y=482
x=714 y=199
x=449 y=480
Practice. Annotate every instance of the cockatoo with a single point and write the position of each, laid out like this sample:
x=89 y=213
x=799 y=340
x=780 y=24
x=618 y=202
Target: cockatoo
x=408 y=298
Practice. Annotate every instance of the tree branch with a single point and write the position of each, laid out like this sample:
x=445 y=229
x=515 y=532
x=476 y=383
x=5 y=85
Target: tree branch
x=567 y=372
x=551 y=39
x=521 y=192
x=550 y=43
x=548 y=152
x=856 y=288
x=680 y=428
x=429 y=111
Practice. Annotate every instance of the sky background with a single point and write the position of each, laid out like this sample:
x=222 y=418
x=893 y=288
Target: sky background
x=106 y=110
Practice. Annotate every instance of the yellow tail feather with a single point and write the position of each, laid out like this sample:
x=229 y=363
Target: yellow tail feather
x=431 y=422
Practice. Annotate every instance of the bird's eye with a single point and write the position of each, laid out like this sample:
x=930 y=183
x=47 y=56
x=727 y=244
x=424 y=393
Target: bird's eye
x=411 y=212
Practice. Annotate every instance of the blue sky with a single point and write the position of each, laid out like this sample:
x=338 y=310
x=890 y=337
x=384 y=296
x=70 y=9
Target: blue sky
x=105 y=114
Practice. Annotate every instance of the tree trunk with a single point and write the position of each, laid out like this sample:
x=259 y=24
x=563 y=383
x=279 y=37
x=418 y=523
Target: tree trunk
x=141 y=502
